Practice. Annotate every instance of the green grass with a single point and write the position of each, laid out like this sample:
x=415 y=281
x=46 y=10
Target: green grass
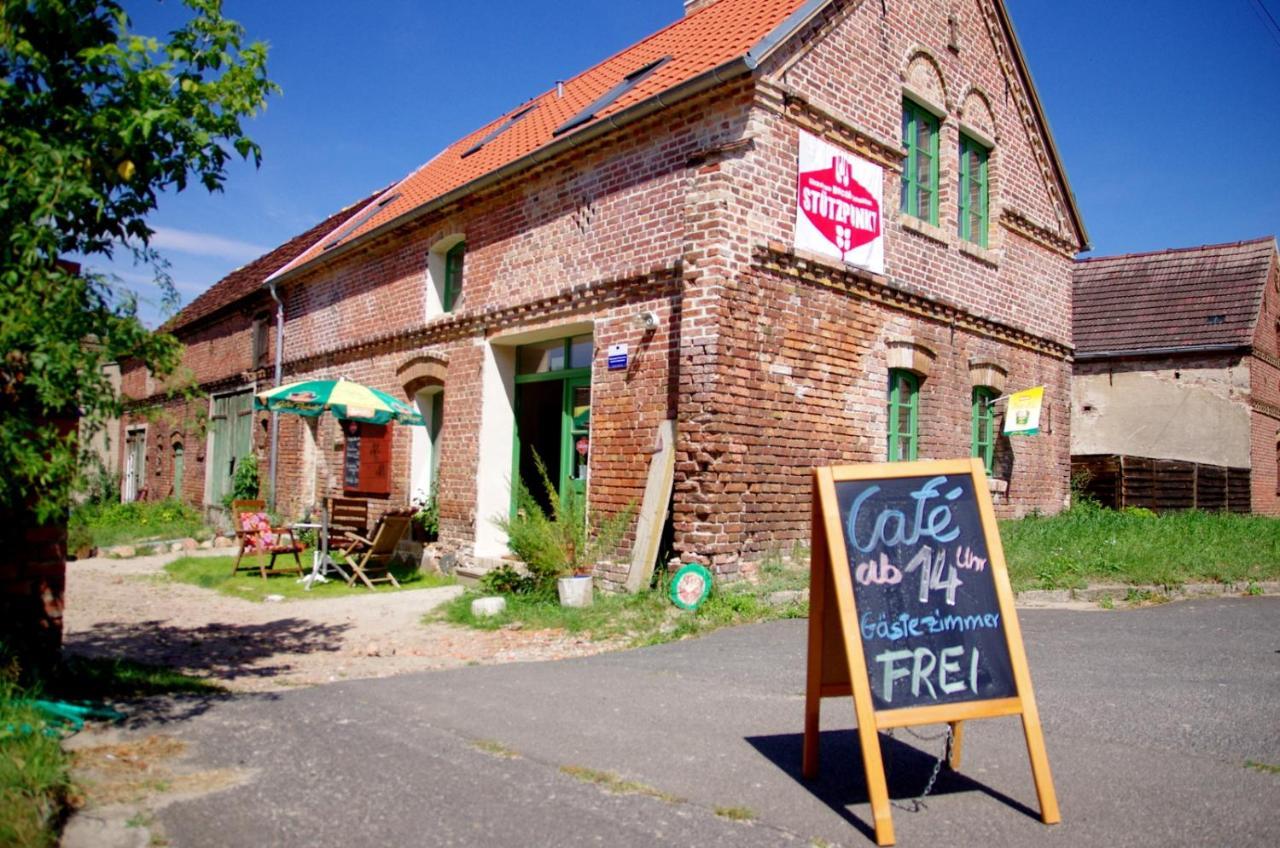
x=741 y=814
x=215 y=573
x=644 y=618
x=104 y=525
x=35 y=776
x=35 y=779
x=1091 y=544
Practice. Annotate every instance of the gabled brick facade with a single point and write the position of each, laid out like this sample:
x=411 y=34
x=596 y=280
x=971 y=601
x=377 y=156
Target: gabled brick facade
x=673 y=234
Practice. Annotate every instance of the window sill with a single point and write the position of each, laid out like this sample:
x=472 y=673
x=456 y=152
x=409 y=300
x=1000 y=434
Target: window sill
x=912 y=224
x=997 y=486
x=985 y=255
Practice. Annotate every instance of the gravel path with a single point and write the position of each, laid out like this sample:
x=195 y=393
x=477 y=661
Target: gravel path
x=126 y=608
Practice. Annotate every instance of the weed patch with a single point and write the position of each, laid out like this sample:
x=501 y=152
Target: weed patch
x=1265 y=768
x=610 y=782
x=493 y=748
x=740 y=814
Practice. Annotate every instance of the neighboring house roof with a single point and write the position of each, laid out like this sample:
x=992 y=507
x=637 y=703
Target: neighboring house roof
x=248 y=279
x=1189 y=298
x=702 y=49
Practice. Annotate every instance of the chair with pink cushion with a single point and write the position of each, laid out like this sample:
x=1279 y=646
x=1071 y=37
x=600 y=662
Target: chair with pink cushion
x=257 y=537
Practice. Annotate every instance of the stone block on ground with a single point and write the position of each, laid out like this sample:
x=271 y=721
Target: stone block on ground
x=486 y=607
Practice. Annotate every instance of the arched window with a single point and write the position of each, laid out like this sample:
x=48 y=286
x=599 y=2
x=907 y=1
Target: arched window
x=973 y=194
x=179 y=469
x=920 y=168
x=453 y=275
x=904 y=415
x=444 y=275
x=983 y=418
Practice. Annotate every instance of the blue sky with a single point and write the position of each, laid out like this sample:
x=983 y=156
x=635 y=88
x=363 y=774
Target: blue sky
x=1163 y=112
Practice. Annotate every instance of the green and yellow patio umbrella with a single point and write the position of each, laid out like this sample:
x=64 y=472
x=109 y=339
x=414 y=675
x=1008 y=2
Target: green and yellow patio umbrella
x=344 y=398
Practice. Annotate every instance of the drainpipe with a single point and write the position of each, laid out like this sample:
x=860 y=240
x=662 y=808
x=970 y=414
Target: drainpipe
x=275 y=416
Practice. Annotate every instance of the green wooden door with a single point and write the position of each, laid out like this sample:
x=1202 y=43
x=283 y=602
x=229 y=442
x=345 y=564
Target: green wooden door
x=231 y=426
x=575 y=449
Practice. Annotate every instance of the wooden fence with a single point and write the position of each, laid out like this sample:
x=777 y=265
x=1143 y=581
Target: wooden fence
x=1162 y=484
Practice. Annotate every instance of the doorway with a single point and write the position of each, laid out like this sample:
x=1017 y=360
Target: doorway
x=553 y=415
x=135 y=444
x=231 y=437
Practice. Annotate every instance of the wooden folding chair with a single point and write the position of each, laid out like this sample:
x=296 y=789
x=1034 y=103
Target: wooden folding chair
x=257 y=536
x=347 y=515
x=370 y=559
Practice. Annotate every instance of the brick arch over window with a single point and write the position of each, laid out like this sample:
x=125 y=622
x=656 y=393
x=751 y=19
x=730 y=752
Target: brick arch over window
x=908 y=355
x=989 y=374
x=976 y=114
x=922 y=77
x=422 y=372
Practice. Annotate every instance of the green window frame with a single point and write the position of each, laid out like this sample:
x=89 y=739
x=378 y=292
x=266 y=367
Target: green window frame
x=983 y=427
x=904 y=415
x=433 y=434
x=453 y=262
x=973 y=219
x=920 y=168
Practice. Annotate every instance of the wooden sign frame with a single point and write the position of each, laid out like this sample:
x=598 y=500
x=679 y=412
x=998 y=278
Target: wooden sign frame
x=837 y=662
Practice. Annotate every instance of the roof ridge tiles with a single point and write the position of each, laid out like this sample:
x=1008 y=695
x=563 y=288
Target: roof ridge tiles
x=1199 y=248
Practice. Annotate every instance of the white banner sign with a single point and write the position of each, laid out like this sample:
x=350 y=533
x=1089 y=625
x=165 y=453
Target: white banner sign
x=838 y=197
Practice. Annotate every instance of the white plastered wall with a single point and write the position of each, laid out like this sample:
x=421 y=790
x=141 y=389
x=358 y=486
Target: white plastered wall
x=1187 y=413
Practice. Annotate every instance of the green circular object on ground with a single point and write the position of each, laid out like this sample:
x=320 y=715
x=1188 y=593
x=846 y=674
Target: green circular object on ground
x=690 y=586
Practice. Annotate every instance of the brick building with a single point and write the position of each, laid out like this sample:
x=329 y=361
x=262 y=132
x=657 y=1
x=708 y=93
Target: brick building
x=1176 y=396
x=168 y=438
x=806 y=232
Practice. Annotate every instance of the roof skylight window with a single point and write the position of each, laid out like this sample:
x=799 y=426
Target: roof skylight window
x=359 y=220
x=629 y=82
x=1216 y=319
x=499 y=130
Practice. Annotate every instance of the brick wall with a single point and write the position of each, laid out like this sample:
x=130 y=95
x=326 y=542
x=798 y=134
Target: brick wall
x=33 y=578
x=1264 y=387
x=33 y=569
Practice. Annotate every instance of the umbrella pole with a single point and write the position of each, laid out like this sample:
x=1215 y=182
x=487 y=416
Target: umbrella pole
x=275 y=416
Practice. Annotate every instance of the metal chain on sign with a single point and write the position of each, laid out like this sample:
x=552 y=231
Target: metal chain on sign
x=917 y=803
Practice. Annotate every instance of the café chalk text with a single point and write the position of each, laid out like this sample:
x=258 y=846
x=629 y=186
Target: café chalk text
x=893 y=527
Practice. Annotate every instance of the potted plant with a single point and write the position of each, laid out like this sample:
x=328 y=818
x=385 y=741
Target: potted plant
x=565 y=544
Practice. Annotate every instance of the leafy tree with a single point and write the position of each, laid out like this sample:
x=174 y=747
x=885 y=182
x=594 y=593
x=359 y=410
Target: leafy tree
x=95 y=122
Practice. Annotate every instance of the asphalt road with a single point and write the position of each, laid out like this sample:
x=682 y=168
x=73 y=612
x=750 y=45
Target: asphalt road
x=1149 y=716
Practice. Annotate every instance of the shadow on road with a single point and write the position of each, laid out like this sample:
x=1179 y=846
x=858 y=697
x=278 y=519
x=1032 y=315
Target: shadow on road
x=841 y=783
x=218 y=653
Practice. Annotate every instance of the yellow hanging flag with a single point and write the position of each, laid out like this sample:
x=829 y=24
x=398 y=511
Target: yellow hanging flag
x=1023 y=417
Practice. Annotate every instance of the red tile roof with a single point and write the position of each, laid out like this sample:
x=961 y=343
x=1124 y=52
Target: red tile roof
x=248 y=279
x=1190 y=297
x=719 y=33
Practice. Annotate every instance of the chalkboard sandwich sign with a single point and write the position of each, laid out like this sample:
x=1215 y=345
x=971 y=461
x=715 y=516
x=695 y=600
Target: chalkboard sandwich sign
x=911 y=614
